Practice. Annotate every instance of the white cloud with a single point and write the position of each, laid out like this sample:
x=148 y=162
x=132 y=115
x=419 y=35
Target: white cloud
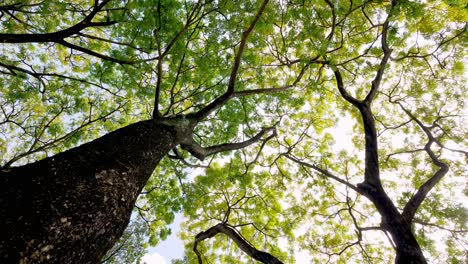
x=153 y=258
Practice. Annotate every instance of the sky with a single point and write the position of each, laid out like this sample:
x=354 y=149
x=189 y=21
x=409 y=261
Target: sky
x=154 y=258
x=171 y=248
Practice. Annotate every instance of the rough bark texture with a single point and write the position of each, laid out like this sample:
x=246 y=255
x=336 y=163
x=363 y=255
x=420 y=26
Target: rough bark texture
x=72 y=207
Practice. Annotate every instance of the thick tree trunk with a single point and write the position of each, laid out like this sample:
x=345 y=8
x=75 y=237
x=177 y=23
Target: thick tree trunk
x=72 y=207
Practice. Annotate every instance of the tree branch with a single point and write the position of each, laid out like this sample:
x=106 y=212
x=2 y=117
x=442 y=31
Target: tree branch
x=191 y=19
x=425 y=223
x=272 y=90
x=221 y=100
x=61 y=34
x=55 y=141
x=387 y=52
x=372 y=186
x=378 y=78
x=201 y=153
x=342 y=90
x=372 y=172
x=92 y=53
x=324 y=172
x=413 y=204
x=244 y=245
x=444 y=42
x=178 y=156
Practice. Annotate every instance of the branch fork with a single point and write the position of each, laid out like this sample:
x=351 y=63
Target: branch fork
x=201 y=153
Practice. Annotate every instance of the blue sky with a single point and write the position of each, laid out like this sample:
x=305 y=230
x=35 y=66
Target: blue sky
x=171 y=248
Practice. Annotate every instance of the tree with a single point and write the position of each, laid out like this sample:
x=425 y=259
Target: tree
x=393 y=90
x=168 y=77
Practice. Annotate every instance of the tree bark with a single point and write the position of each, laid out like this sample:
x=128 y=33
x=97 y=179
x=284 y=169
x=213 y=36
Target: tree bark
x=72 y=207
x=408 y=250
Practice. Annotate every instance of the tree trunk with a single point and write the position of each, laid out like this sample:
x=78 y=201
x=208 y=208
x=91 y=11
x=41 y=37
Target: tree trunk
x=72 y=207
x=408 y=250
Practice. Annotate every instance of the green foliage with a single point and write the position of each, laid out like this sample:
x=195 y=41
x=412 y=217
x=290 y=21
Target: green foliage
x=130 y=248
x=53 y=97
x=248 y=201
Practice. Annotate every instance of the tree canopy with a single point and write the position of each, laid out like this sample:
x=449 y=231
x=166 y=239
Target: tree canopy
x=331 y=129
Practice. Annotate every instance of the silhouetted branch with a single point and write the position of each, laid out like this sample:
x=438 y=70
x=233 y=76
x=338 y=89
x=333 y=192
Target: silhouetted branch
x=383 y=63
x=61 y=34
x=324 y=172
x=413 y=204
x=202 y=152
x=233 y=234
